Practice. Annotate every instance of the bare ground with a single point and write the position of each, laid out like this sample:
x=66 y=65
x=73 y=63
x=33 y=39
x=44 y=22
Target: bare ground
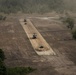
x=19 y=51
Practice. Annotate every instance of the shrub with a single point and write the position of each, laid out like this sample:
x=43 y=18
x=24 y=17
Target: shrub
x=2 y=56
x=3 y=70
x=70 y=22
x=74 y=34
x=2 y=17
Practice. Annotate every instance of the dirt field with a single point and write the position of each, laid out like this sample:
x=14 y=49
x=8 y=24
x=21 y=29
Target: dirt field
x=19 y=51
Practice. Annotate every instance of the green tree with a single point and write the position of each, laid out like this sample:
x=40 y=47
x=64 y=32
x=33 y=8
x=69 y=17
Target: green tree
x=2 y=56
x=3 y=70
x=74 y=34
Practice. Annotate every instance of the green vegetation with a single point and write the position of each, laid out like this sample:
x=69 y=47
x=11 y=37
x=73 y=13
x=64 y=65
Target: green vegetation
x=70 y=22
x=36 y=6
x=2 y=17
x=74 y=34
x=19 y=70
x=2 y=56
x=2 y=66
x=12 y=71
x=30 y=6
x=3 y=70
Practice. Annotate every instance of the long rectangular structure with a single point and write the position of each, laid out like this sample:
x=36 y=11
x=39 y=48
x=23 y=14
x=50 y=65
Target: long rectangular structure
x=39 y=44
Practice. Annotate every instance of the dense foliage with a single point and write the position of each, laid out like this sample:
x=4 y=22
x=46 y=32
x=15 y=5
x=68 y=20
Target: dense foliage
x=2 y=66
x=3 y=70
x=30 y=6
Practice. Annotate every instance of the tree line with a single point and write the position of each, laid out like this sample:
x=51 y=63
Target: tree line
x=30 y=6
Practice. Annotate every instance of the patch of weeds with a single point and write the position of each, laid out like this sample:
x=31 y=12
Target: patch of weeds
x=20 y=70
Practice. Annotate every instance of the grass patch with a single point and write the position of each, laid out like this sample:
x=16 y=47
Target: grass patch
x=19 y=70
